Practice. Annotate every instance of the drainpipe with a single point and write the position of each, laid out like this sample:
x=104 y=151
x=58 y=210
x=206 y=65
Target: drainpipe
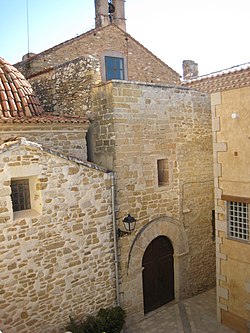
x=115 y=238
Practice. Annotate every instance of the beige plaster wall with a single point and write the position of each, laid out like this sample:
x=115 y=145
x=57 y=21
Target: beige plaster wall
x=57 y=260
x=236 y=134
x=232 y=178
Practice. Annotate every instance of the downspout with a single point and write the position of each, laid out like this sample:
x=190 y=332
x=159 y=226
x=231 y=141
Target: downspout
x=115 y=238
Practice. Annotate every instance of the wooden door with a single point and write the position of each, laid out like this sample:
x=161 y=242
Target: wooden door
x=158 y=274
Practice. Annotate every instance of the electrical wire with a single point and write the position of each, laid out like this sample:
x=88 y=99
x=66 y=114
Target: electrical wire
x=27 y=22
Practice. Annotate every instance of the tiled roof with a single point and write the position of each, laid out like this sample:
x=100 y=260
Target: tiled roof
x=17 y=98
x=227 y=79
x=18 y=103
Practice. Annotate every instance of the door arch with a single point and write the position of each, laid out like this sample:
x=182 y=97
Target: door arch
x=158 y=273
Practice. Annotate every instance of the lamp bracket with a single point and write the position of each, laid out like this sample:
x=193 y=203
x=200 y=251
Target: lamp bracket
x=122 y=233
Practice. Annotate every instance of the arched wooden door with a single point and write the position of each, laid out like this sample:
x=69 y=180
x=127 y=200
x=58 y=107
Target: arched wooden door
x=158 y=274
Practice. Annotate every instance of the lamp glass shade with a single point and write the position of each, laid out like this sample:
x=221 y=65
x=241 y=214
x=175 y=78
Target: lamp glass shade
x=129 y=223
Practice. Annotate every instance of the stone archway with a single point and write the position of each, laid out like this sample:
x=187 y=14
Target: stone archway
x=133 y=291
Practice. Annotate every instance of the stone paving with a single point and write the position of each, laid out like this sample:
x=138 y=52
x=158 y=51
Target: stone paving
x=193 y=315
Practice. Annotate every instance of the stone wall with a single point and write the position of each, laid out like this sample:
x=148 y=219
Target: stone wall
x=65 y=89
x=136 y=125
x=142 y=64
x=68 y=139
x=57 y=258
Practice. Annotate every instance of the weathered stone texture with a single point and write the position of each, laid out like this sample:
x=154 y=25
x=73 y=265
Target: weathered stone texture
x=65 y=89
x=57 y=262
x=68 y=139
x=137 y=124
x=142 y=64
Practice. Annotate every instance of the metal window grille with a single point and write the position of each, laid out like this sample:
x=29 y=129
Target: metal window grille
x=20 y=194
x=238 y=220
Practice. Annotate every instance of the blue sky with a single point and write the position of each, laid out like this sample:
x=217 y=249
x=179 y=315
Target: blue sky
x=214 y=33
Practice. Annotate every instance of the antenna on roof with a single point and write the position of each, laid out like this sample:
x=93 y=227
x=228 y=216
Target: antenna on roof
x=28 y=30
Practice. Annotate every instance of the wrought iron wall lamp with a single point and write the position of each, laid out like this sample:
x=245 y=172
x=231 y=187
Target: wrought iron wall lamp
x=129 y=224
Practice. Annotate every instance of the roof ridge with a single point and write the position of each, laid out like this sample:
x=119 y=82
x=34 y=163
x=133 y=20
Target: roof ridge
x=68 y=41
x=88 y=33
x=137 y=42
x=214 y=74
x=18 y=141
x=231 y=78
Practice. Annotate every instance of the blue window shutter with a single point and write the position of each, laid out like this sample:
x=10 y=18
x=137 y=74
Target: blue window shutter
x=114 y=68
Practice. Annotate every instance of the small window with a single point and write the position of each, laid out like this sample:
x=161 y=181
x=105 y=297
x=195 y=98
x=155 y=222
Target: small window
x=238 y=220
x=20 y=194
x=213 y=224
x=163 y=172
x=114 y=68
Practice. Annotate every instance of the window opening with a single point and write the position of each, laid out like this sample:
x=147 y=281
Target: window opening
x=163 y=172
x=114 y=68
x=20 y=194
x=238 y=220
x=213 y=224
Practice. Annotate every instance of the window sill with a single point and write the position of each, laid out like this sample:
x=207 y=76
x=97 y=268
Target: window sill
x=243 y=241
x=25 y=214
x=163 y=187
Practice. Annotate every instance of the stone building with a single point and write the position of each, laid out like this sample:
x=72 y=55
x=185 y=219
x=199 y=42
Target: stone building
x=21 y=114
x=55 y=213
x=155 y=137
x=230 y=91
x=159 y=145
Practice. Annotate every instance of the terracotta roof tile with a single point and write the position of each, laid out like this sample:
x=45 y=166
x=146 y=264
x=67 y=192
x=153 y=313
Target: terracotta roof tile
x=19 y=104
x=14 y=88
x=231 y=78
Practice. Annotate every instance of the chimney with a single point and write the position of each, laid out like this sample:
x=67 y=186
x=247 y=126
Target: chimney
x=108 y=12
x=28 y=55
x=119 y=14
x=190 y=69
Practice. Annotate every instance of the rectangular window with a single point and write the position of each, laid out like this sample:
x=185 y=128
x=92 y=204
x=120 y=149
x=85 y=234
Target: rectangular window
x=20 y=194
x=213 y=224
x=238 y=220
x=163 y=172
x=114 y=68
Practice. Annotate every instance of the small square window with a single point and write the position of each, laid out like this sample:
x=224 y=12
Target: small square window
x=20 y=194
x=238 y=220
x=163 y=172
x=114 y=68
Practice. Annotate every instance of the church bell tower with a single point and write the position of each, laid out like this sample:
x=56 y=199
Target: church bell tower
x=110 y=11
